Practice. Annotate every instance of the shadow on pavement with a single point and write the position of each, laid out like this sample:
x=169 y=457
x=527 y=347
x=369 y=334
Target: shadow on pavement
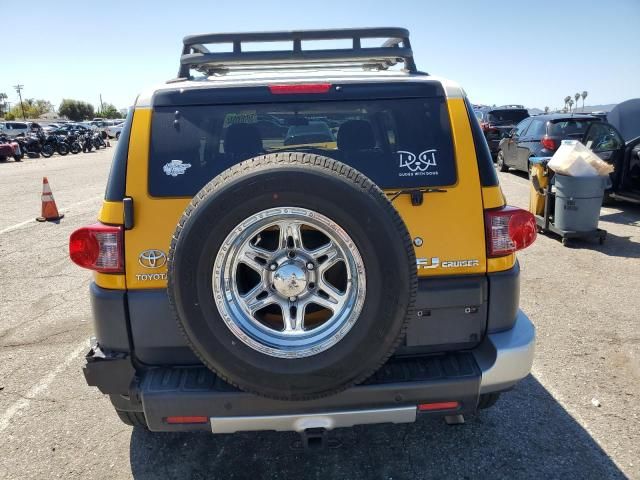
x=629 y=214
x=527 y=434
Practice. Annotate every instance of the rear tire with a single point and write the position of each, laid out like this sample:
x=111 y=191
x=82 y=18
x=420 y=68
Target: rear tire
x=488 y=400
x=500 y=162
x=133 y=419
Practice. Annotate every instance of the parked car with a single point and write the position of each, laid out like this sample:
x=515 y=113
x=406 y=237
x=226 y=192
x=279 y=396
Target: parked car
x=618 y=143
x=114 y=131
x=13 y=129
x=539 y=136
x=496 y=122
x=268 y=287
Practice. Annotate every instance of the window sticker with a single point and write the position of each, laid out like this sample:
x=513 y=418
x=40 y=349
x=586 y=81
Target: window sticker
x=244 y=116
x=423 y=164
x=175 y=168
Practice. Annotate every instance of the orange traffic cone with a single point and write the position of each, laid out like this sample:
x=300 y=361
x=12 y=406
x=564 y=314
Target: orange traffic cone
x=49 y=209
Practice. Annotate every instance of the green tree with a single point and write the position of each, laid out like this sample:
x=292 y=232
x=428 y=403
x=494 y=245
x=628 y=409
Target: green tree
x=75 y=110
x=108 y=111
x=33 y=108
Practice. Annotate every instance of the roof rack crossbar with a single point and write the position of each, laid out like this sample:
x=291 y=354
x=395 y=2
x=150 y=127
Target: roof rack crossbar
x=396 y=48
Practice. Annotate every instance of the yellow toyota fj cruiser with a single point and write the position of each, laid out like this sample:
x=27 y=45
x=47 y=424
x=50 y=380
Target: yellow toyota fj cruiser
x=303 y=239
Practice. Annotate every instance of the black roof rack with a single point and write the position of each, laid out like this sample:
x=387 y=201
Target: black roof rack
x=394 y=49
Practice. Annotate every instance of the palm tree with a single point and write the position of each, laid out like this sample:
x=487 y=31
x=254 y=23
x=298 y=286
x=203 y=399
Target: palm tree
x=570 y=104
x=584 y=95
x=566 y=101
x=546 y=109
x=577 y=97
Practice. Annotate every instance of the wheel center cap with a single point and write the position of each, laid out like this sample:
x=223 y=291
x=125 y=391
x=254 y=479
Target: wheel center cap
x=290 y=280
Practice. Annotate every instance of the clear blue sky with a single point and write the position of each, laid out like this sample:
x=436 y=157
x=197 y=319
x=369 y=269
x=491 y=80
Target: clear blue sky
x=533 y=52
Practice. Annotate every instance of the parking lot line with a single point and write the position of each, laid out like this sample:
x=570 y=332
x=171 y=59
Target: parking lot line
x=62 y=210
x=38 y=388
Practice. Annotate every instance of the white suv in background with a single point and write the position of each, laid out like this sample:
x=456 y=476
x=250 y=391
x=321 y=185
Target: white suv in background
x=13 y=129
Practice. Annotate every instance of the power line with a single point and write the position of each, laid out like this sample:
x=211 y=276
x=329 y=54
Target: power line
x=19 y=90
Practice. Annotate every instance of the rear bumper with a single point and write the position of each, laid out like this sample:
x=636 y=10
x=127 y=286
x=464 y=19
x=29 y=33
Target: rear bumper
x=392 y=395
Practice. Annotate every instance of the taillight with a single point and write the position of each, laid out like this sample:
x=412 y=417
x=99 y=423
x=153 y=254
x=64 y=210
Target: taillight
x=98 y=247
x=509 y=229
x=487 y=128
x=301 y=88
x=548 y=143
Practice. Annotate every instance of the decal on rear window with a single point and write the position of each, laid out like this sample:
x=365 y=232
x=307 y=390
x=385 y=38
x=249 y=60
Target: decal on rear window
x=422 y=164
x=175 y=168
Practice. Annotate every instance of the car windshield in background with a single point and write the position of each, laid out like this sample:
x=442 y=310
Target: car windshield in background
x=401 y=143
x=570 y=128
x=507 y=117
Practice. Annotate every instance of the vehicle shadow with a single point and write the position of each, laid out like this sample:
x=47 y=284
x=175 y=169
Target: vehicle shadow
x=628 y=214
x=527 y=434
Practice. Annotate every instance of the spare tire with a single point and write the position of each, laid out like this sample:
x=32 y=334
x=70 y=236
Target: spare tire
x=292 y=276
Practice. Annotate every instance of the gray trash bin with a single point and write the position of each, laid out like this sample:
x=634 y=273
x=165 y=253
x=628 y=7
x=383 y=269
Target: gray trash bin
x=578 y=202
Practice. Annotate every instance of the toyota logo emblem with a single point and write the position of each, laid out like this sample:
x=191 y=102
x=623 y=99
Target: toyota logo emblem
x=152 y=259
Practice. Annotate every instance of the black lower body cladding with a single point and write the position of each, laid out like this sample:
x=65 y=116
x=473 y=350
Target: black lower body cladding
x=319 y=185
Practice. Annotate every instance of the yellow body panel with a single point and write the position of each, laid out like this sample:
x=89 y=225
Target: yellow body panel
x=450 y=224
x=492 y=197
x=154 y=219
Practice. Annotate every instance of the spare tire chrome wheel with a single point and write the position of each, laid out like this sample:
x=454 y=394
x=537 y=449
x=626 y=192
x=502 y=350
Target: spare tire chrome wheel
x=289 y=282
x=292 y=276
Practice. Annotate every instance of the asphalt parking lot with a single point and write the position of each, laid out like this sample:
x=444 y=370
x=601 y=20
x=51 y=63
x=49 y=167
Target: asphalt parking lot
x=584 y=301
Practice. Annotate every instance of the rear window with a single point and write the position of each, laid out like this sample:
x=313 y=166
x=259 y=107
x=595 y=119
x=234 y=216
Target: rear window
x=507 y=117
x=400 y=143
x=570 y=128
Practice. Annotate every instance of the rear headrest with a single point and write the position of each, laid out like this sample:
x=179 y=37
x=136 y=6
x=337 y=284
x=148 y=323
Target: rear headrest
x=356 y=135
x=243 y=140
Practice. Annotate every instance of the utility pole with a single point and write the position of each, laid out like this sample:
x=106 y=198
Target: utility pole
x=101 y=105
x=19 y=90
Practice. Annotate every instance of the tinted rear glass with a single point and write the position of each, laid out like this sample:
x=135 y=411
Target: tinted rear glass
x=400 y=143
x=510 y=116
x=570 y=128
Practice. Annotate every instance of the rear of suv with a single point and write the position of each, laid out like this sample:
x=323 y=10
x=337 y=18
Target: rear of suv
x=540 y=136
x=497 y=122
x=349 y=260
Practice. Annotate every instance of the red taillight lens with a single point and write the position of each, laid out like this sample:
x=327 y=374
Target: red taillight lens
x=98 y=247
x=509 y=229
x=548 y=143
x=186 y=420
x=428 y=407
x=299 y=89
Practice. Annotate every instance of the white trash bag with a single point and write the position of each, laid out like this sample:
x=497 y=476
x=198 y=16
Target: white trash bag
x=576 y=160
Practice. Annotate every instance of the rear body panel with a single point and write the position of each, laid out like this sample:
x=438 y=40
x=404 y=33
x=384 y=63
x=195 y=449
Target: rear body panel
x=450 y=224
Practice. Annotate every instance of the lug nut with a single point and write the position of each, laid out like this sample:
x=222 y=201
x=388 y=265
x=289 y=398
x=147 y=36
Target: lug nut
x=273 y=266
x=310 y=266
x=293 y=299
